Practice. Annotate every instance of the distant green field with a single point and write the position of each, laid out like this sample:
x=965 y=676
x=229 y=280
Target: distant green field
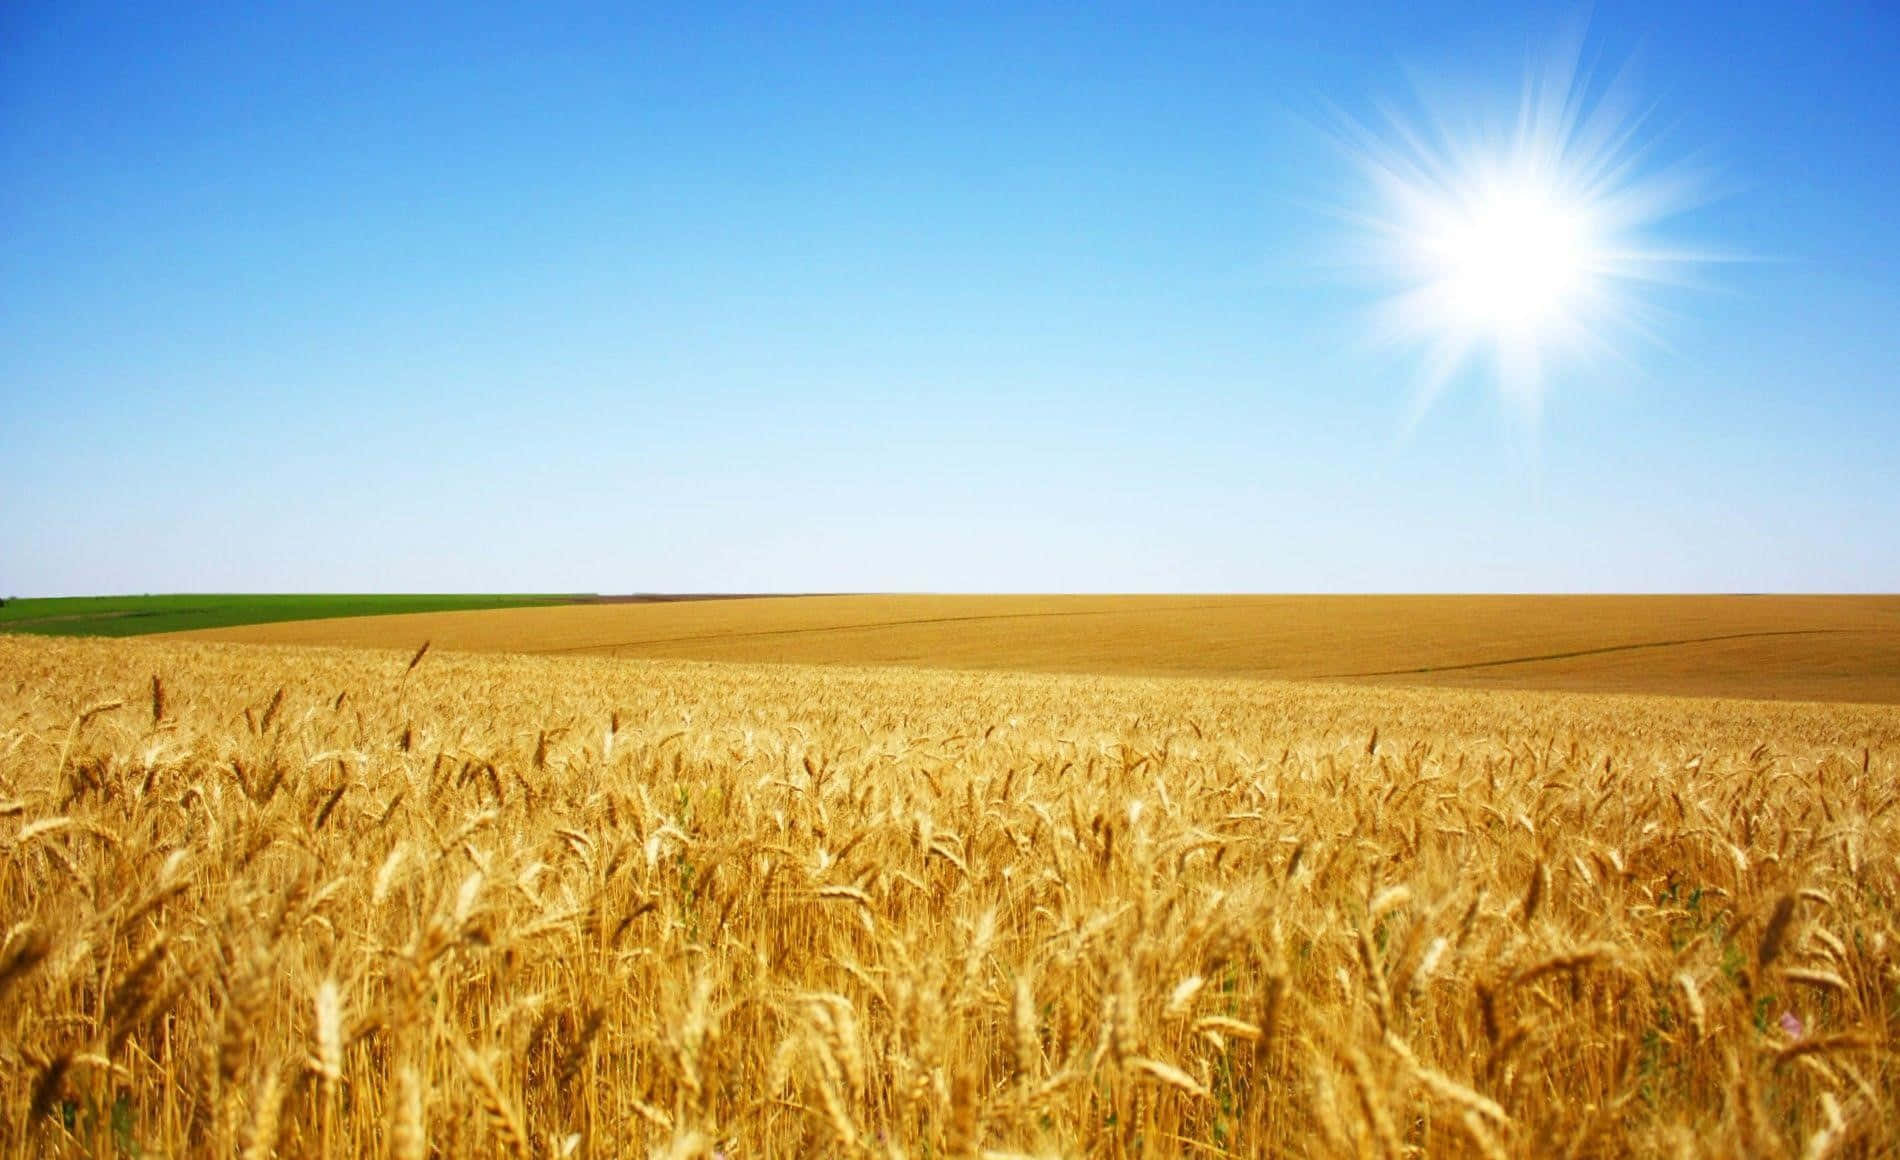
x=137 y=615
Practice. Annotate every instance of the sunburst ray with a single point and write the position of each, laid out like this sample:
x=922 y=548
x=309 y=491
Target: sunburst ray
x=1524 y=240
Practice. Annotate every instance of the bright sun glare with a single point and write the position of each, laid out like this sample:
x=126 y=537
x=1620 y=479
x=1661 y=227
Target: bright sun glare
x=1513 y=259
x=1522 y=241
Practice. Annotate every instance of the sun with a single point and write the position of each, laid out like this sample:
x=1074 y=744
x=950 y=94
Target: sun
x=1514 y=260
x=1522 y=242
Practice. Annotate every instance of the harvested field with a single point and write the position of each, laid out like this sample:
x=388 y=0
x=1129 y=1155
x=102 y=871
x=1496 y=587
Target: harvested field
x=1825 y=648
x=323 y=902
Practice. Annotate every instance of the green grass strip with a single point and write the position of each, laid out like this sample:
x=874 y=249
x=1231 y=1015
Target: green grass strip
x=139 y=615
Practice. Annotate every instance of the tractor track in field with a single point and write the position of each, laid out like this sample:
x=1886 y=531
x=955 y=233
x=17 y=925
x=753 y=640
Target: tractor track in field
x=1584 y=652
x=871 y=624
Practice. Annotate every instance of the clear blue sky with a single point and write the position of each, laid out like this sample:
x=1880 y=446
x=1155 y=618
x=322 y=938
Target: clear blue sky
x=852 y=297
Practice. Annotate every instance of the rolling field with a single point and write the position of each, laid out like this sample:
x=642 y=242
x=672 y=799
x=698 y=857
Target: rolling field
x=1825 y=648
x=307 y=902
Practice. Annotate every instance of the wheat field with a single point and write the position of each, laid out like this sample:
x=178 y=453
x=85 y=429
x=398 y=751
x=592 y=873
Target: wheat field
x=1806 y=648
x=310 y=902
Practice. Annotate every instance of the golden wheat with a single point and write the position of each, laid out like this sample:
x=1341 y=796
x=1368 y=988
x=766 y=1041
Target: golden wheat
x=332 y=903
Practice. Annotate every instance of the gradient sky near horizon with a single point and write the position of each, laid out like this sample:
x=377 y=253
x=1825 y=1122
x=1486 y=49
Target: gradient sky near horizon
x=1032 y=297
